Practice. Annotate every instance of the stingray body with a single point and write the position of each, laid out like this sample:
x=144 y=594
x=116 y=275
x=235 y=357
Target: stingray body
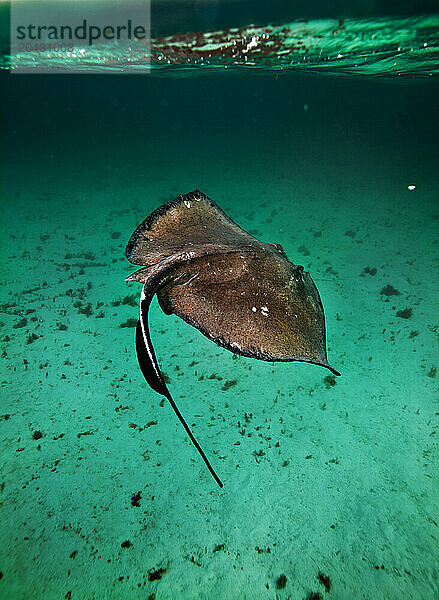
x=243 y=294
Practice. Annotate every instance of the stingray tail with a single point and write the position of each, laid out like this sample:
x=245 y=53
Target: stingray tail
x=151 y=371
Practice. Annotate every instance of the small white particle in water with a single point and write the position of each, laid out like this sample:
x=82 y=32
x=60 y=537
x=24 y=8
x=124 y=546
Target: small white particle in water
x=411 y=187
x=264 y=311
x=187 y=203
x=305 y=107
x=254 y=309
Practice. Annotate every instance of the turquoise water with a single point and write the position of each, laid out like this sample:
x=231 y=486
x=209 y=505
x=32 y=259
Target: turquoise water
x=325 y=481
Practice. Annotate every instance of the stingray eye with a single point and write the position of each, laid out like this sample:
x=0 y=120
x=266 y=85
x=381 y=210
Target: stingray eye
x=280 y=250
x=298 y=271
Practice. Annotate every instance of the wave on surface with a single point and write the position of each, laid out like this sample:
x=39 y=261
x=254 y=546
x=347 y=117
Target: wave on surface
x=397 y=47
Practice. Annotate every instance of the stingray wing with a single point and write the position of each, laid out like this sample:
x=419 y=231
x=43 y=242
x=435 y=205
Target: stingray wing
x=187 y=227
x=257 y=304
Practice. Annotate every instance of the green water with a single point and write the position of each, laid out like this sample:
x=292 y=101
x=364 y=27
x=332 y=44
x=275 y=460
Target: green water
x=102 y=494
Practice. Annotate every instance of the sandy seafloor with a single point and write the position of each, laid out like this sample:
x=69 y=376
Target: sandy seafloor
x=318 y=478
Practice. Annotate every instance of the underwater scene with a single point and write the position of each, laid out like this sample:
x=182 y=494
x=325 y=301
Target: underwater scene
x=219 y=307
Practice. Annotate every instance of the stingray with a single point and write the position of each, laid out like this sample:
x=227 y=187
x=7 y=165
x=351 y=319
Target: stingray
x=241 y=293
